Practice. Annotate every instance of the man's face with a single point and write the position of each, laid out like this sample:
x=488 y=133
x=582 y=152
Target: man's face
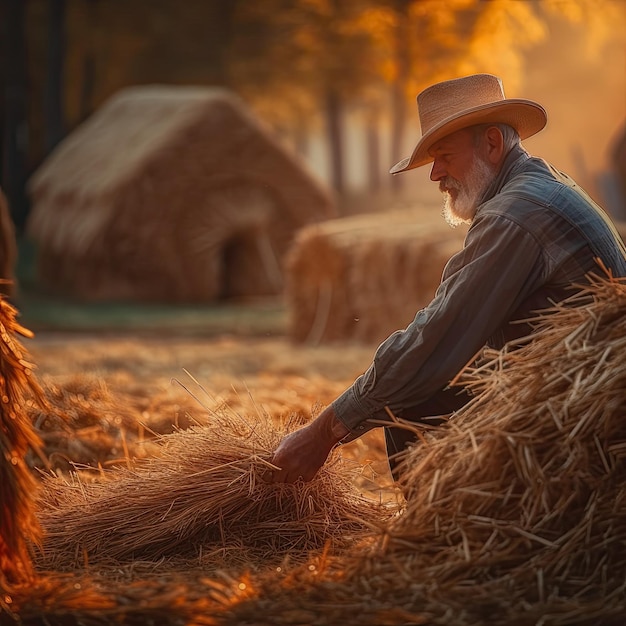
x=463 y=174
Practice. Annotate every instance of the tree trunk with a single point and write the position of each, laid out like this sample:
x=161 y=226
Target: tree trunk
x=373 y=152
x=88 y=77
x=301 y=137
x=223 y=32
x=334 y=125
x=398 y=99
x=55 y=125
x=397 y=133
x=14 y=128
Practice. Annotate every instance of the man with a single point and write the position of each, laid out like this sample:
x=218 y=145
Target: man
x=534 y=236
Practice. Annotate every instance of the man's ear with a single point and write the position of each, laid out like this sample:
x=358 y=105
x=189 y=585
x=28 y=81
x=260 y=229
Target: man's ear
x=494 y=141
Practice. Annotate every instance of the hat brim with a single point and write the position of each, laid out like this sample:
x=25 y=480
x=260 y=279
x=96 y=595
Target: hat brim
x=525 y=116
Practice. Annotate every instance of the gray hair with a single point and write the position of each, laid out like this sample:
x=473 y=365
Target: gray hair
x=509 y=134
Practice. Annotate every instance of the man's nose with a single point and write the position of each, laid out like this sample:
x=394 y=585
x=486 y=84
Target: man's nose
x=438 y=171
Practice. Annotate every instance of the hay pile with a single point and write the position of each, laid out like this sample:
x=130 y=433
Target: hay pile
x=361 y=278
x=19 y=525
x=530 y=516
x=174 y=538
x=201 y=501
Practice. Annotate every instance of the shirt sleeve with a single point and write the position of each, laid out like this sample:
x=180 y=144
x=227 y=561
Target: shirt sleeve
x=482 y=285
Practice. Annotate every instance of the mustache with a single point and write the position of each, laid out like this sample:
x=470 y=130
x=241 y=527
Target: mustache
x=447 y=183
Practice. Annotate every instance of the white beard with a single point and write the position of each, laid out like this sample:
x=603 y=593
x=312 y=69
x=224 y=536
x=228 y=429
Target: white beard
x=462 y=208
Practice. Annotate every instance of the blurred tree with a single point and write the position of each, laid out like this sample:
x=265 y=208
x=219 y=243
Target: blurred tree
x=115 y=43
x=309 y=56
x=323 y=56
x=13 y=107
x=302 y=64
x=436 y=40
x=402 y=38
x=55 y=73
x=412 y=42
x=87 y=59
x=500 y=35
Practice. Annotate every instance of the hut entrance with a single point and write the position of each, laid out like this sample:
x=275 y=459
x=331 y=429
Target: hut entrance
x=232 y=243
x=250 y=265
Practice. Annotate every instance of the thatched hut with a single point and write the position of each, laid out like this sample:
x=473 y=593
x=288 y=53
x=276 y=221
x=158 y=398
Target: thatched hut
x=360 y=278
x=173 y=194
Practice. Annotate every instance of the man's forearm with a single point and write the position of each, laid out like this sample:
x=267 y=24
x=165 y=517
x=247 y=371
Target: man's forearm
x=332 y=426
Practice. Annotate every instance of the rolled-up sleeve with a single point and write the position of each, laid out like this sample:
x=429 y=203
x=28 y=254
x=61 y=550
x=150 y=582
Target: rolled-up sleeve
x=482 y=285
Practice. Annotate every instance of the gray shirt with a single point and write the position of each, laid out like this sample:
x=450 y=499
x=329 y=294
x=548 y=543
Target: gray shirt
x=534 y=240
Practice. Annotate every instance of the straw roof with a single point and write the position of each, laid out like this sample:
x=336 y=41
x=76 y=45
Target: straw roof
x=169 y=194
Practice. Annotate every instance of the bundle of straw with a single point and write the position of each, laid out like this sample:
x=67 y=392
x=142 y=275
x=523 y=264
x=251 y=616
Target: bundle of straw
x=203 y=499
x=523 y=501
x=18 y=387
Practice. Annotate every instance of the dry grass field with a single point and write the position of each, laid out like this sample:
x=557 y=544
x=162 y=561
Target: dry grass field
x=152 y=508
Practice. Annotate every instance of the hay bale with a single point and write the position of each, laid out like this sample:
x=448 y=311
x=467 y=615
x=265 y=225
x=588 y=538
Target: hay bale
x=170 y=194
x=361 y=278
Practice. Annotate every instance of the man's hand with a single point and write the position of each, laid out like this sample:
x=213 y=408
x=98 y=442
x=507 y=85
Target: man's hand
x=301 y=453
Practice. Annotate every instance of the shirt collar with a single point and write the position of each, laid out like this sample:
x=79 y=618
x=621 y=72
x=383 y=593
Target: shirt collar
x=516 y=157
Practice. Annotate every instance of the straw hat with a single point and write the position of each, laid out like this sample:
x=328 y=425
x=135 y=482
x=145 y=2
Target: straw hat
x=454 y=104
